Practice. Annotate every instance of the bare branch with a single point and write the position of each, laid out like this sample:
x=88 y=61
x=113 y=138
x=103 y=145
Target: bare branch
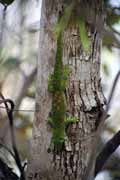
x=115 y=31
x=10 y=117
x=7 y=149
x=100 y=128
x=6 y=172
x=107 y=151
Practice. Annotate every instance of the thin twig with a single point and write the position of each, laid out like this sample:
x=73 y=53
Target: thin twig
x=115 y=31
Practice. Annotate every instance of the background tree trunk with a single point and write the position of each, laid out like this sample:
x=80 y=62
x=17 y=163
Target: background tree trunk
x=84 y=95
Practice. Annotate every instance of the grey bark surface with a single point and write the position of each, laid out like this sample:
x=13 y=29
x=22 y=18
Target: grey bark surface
x=84 y=100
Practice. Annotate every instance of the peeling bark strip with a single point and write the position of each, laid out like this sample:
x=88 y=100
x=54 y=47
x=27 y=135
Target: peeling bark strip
x=84 y=96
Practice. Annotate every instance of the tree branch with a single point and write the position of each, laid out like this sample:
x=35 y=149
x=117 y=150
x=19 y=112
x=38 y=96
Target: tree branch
x=115 y=31
x=9 y=112
x=99 y=129
x=6 y=172
x=107 y=151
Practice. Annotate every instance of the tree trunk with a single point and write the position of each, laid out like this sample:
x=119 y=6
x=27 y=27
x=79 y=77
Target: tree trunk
x=84 y=96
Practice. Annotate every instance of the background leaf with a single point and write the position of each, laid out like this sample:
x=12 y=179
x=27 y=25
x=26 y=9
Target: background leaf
x=10 y=63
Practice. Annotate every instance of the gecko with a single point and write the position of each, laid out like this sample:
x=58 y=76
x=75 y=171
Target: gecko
x=57 y=85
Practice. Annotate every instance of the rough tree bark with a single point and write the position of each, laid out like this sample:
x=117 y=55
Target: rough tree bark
x=84 y=95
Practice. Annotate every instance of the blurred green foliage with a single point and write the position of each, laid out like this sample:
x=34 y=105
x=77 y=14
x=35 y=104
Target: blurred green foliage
x=10 y=63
